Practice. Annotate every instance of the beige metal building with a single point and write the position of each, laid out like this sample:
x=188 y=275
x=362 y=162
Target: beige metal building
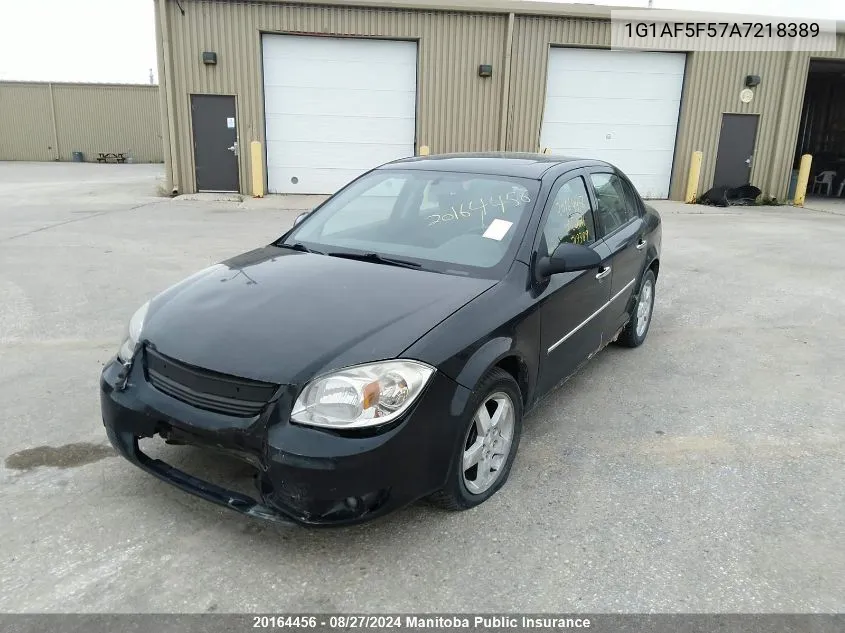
x=49 y=121
x=333 y=88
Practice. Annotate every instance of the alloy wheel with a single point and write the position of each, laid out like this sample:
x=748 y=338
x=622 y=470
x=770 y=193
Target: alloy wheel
x=488 y=443
x=644 y=307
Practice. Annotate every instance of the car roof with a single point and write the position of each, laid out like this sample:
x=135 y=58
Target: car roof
x=523 y=165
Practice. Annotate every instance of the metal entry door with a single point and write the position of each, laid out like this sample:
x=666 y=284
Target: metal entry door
x=215 y=142
x=736 y=150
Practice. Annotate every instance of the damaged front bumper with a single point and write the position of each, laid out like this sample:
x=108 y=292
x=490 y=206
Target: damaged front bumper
x=304 y=475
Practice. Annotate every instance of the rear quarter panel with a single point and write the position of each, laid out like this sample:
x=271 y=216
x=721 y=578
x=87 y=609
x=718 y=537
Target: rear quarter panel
x=654 y=232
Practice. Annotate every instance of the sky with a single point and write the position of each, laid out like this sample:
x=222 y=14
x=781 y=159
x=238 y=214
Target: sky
x=114 y=40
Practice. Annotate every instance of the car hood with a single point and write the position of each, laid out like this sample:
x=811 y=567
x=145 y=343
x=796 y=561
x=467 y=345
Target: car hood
x=283 y=316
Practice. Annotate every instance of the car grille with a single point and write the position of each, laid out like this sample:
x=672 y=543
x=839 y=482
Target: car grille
x=207 y=389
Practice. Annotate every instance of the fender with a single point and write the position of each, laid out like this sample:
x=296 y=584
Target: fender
x=501 y=322
x=488 y=355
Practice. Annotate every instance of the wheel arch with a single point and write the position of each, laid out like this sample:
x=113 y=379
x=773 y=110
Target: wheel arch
x=498 y=352
x=654 y=267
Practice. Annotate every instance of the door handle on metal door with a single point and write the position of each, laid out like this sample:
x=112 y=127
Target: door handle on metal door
x=641 y=244
x=234 y=148
x=603 y=273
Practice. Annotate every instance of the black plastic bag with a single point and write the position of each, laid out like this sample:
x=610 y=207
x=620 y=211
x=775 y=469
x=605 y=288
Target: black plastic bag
x=730 y=196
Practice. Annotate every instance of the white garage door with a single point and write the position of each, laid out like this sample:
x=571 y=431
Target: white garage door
x=335 y=108
x=618 y=106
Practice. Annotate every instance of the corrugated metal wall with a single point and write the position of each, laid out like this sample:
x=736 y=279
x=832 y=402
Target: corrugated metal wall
x=95 y=119
x=456 y=109
x=533 y=35
x=713 y=83
x=26 y=128
x=712 y=86
x=44 y=121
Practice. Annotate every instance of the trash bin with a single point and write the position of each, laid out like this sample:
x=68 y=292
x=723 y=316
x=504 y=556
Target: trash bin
x=78 y=157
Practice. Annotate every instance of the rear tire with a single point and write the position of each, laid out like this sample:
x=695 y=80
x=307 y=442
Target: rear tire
x=482 y=461
x=636 y=331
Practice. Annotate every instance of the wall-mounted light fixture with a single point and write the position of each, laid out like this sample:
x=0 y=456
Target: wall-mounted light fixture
x=752 y=80
x=209 y=58
x=485 y=70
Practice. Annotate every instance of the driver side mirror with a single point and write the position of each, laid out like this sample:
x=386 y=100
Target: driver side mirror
x=568 y=258
x=301 y=217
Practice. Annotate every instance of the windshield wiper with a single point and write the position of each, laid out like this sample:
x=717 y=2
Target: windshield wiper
x=377 y=259
x=298 y=246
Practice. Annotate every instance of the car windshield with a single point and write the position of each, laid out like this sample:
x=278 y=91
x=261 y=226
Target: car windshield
x=443 y=221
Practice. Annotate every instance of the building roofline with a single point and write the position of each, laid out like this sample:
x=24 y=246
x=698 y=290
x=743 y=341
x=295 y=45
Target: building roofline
x=98 y=84
x=519 y=7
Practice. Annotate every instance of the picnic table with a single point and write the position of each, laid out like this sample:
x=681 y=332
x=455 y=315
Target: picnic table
x=111 y=157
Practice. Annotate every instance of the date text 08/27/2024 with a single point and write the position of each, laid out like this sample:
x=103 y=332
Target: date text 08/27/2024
x=417 y=622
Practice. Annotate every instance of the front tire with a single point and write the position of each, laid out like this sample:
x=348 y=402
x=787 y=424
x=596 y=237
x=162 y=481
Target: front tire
x=488 y=445
x=636 y=331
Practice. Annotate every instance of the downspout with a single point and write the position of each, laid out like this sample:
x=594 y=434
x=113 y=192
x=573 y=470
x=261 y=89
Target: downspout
x=55 y=125
x=506 y=87
x=166 y=102
x=776 y=183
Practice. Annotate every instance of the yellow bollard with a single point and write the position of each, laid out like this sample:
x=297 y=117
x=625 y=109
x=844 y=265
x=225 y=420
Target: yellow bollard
x=693 y=178
x=424 y=151
x=803 y=179
x=257 y=162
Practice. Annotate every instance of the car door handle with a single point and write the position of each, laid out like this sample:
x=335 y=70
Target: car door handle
x=603 y=272
x=641 y=244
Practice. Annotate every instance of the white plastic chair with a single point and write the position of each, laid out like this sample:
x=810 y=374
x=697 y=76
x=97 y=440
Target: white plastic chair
x=824 y=179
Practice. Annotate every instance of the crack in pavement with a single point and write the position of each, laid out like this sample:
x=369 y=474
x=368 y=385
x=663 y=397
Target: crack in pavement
x=81 y=219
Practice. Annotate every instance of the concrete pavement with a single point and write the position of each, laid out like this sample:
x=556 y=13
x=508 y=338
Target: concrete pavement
x=701 y=472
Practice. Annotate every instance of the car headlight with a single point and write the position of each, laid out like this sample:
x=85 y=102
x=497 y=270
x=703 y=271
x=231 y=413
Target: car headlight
x=363 y=395
x=132 y=334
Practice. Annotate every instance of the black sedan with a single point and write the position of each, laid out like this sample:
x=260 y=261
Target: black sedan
x=388 y=346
